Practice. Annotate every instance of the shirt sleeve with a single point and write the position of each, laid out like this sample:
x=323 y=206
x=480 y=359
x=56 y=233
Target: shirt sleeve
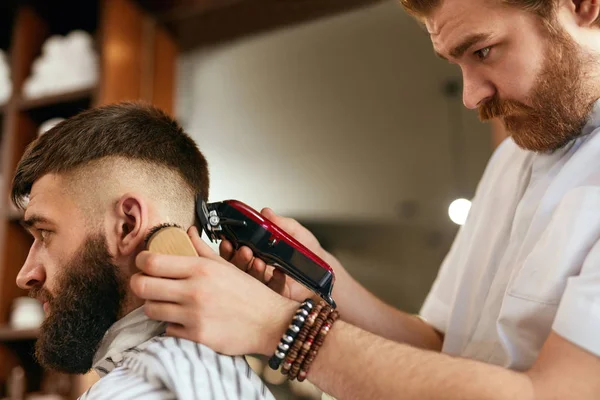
x=436 y=308
x=578 y=315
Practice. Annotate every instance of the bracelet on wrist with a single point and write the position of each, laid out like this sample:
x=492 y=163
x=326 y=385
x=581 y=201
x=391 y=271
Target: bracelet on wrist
x=288 y=338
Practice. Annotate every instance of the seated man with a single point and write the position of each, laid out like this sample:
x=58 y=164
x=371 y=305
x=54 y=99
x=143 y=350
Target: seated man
x=92 y=188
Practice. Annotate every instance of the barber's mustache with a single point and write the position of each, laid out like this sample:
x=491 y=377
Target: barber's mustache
x=496 y=108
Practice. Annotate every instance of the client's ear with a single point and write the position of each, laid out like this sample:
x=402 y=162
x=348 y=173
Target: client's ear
x=132 y=220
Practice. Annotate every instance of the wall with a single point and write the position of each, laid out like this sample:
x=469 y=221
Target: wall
x=343 y=124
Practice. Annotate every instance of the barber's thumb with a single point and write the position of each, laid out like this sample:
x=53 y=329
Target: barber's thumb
x=202 y=248
x=269 y=214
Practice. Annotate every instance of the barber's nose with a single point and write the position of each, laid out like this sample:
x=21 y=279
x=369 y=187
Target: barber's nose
x=32 y=273
x=476 y=90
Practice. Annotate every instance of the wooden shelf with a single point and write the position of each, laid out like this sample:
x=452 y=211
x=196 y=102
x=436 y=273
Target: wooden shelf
x=61 y=105
x=143 y=69
x=8 y=334
x=61 y=98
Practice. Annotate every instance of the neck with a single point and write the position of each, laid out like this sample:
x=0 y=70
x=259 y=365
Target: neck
x=130 y=303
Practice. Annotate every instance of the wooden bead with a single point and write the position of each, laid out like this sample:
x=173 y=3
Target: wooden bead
x=301 y=376
x=319 y=331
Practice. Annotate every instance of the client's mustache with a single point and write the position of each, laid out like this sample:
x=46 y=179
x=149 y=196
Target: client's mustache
x=495 y=108
x=41 y=294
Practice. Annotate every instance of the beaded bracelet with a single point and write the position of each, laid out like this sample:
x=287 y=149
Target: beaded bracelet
x=293 y=353
x=291 y=333
x=306 y=346
x=310 y=357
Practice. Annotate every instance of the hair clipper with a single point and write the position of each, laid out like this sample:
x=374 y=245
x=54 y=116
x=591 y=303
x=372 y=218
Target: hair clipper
x=240 y=224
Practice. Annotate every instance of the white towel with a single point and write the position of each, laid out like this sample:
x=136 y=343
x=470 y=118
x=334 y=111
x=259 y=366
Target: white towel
x=5 y=81
x=67 y=63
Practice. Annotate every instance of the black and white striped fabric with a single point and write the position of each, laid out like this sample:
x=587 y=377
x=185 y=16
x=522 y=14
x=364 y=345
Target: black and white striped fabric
x=168 y=368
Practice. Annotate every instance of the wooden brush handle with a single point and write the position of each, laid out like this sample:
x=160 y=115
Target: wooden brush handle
x=172 y=240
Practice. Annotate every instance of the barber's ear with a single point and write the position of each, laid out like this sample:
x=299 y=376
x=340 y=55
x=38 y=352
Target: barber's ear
x=132 y=219
x=586 y=11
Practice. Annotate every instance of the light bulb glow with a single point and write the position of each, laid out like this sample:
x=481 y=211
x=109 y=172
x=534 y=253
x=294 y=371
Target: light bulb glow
x=459 y=210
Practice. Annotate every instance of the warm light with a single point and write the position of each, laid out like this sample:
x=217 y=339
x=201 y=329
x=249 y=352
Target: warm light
x=459 y=210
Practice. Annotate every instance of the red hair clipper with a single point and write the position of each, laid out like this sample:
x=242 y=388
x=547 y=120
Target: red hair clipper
x=243 y=226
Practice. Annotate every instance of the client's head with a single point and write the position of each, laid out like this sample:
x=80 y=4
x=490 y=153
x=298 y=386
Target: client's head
x=92 y=188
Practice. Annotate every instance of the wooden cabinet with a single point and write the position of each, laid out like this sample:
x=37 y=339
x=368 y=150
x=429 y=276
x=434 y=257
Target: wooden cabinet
x=137 y=62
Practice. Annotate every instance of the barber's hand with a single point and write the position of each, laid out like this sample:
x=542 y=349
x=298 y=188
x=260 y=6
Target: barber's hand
x=208 y=300
x=274 y=278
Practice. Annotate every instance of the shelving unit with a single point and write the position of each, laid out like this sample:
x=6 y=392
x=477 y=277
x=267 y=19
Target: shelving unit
x=10 y=335
x=137 y=62
x=14 y=215
x=60 y=98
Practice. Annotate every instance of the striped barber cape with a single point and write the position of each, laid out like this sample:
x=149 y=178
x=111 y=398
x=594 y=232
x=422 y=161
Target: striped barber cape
x=136 y=361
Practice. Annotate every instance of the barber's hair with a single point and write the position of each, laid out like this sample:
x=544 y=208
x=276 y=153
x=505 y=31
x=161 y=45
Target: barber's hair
x=129 y=130
x=542 y=8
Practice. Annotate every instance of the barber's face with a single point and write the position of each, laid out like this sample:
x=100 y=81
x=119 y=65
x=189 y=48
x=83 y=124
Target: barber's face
x=516 y=70
x=71 y=272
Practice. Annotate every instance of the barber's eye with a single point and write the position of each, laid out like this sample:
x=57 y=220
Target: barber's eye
x=483 y=53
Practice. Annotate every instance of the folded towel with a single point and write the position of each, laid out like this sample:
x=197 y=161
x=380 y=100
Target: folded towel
x=67 y=63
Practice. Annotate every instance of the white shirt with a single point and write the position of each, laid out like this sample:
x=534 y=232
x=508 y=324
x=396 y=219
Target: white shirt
x=527 y=261
x=136 y=361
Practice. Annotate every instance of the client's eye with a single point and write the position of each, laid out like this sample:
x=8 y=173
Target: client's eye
x=483 y=53
x=44 y=234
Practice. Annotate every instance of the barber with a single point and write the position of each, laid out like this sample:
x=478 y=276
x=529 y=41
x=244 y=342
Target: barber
x=514 y=311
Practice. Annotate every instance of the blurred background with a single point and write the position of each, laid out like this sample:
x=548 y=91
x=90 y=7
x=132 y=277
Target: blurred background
x=333 y=112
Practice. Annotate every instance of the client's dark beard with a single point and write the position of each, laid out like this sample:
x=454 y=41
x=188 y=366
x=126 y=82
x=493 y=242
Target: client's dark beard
x=88 y=300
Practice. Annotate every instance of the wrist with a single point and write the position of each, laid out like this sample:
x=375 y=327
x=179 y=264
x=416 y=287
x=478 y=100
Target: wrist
x=277 y=325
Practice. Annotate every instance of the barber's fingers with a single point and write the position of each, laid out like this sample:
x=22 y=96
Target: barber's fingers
x=243 y=258
x=226 y=250
x=166 y=265
x=268 y=273
x=277 y=282
x=289 y=225
x=158 y=289
x=194 y=333
x=258 y=270
x=180 y=331
x=270 y=215
x=202 y=248
x=161 y=311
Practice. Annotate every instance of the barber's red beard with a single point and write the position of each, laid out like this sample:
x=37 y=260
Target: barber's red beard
x=560 y=101
x=88 y=300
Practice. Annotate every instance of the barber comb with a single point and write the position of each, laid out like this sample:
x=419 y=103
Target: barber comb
x=170 y=239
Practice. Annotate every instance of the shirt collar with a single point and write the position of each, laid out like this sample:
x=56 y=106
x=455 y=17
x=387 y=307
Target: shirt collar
x=128 y=332
x=593 y=122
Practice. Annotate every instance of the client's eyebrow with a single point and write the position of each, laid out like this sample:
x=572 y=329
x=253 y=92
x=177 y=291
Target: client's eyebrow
x=33 y=220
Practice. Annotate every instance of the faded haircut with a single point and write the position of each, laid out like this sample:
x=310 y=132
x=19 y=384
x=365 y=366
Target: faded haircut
x=128 y=135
